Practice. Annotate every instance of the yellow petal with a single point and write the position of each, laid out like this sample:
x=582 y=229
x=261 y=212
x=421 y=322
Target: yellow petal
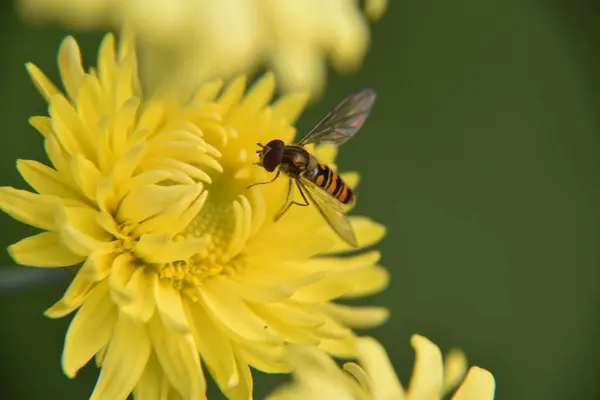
x=153 y=384
x=106 y=62
x=455 y=367
x=427 y=376
x=69 y=64
x=233 y=92
x=179 y=359
x=326 y=154
x=213 y=345
x=385 y=383
x=125 y=360
x=478 y=385
x=45 y=249
x=42 y=124
x=357 y=317
x=141 y=286
x=44 y=179
x=86 y=175
x=259 y=94
x=150 y=201
x=245 y=386
x=351 y=179
x=123 y=128
x=234 y=314
x=284 y=328
x=339 y=264
x=41 y=82
x=84 y=220
x=328 y=288
x=98 y=265
x=366 y=281
x=69 y=128
x=170 y=307
x=375 y=8
x=125 y=165
x=90 y=330
x=121 y=272
x=209 y=91
x=289 y=107
x=170 y=212
x=160 y=248
x=367 y=232
x=30 y=208
x=77 y=292
x=268 y=359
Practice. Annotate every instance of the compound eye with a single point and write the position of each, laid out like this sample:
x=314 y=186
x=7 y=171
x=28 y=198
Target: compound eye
x=272 y=155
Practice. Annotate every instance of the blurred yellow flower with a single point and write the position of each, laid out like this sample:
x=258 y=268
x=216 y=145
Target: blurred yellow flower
x=177 y=262
x=317 y=376
x=194 y=40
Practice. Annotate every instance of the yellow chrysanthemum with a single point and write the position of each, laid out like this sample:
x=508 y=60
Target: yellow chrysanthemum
x=177 y=262
x=317 y=376
x=202 y=39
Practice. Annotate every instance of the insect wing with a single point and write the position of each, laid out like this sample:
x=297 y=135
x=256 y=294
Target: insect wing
x=341 y=123
x=331 y=209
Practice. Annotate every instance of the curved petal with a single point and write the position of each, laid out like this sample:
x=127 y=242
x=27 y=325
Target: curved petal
x=478 y=385
x=179 y=359
x=170 y=307
x=45 y=249
x=427 y=377
x=125 y=360
x=90 y=330
x=30 y=208
x=385 y=383
x=214 y=346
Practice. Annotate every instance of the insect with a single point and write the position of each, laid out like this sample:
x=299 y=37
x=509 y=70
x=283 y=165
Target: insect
x=315 y=181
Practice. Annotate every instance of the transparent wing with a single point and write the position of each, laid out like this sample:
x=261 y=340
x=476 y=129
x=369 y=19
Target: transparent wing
x=341 y=123
x=331 y=209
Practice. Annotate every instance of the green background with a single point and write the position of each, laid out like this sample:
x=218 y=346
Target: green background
x=481 y=157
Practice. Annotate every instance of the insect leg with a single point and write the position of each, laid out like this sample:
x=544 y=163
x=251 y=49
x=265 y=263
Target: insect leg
x=289 y=202
x=264 y=183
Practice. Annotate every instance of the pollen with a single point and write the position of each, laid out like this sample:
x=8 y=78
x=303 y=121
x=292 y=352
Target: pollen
x=186 y=276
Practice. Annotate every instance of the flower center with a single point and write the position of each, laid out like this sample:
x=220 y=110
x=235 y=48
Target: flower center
x=216 y=225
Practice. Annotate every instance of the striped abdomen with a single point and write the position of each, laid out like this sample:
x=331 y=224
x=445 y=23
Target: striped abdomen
x=330 y=181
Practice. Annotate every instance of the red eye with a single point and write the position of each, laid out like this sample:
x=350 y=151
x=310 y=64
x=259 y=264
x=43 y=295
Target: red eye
x=272 y=154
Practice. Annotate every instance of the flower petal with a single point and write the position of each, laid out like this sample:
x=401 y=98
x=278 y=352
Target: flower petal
x=455 y=367
x=45 y=180
x=90 y=330
x=141 y=287
x=170 y=307
x=160 y=248
x=77 y=292
x=214 y=347
x=366 y=281
x=289 y=107
x=30 y=208
x=179 y=359
x=125 y=360
x=69 y=64
x=367 y=232
x=234 y=314
x=45 y=249
x=385 y=383
x=153 y=384
x=357 y=317
x=427 y=377
x=41 y=82
x=478 y=385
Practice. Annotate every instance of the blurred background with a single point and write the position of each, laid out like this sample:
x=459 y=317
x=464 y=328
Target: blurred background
x=482 y=157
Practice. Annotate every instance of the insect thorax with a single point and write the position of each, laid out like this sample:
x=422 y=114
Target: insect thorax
x=296 y=161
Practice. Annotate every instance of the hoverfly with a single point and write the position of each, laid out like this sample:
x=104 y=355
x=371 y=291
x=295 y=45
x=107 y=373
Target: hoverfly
x=316 y=181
